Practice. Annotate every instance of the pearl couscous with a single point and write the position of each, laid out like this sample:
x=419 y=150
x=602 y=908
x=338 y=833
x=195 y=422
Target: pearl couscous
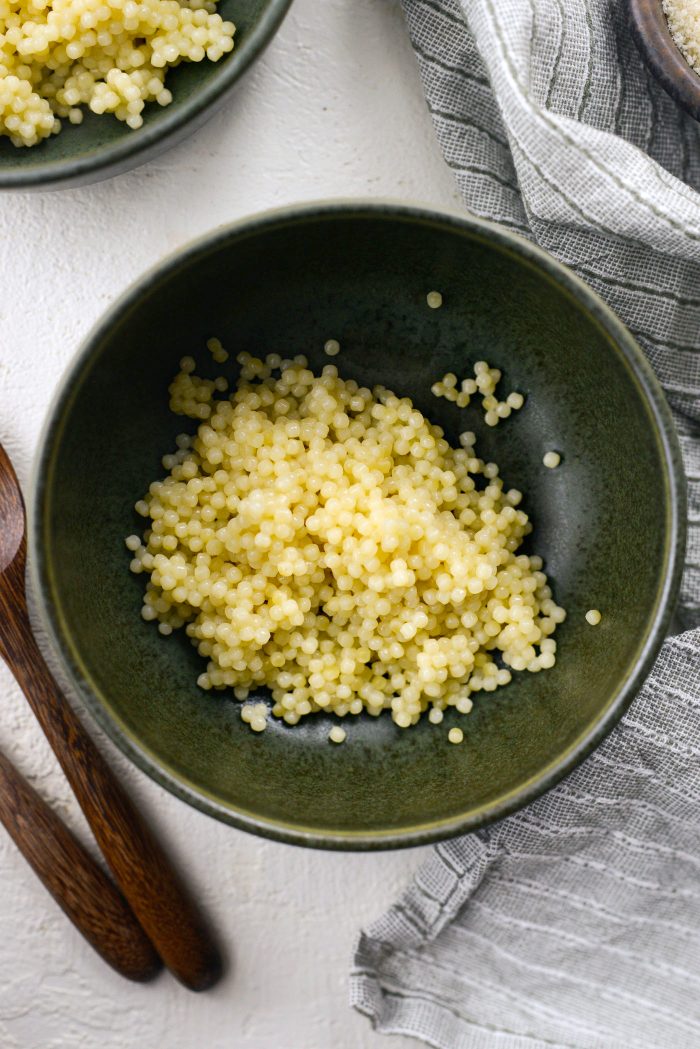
x=255 y=715
x=484 y=383
x=593 y=616
x=109 y=55
x=551 y=460
x=434 y=300
x=218 y=353
x=324 y=540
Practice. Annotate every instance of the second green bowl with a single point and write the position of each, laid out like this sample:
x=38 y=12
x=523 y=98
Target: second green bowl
x=609 y=521
x=103 y=146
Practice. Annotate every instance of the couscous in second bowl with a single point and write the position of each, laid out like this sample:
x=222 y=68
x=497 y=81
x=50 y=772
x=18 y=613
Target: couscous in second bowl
x=650 y=29
x=103 y=146
x=608 y=521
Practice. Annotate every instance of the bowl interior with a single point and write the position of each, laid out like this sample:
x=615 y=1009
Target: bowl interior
x=603 y=521
x=101 y=140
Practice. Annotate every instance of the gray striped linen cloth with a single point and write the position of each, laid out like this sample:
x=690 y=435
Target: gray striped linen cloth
x=575 y=923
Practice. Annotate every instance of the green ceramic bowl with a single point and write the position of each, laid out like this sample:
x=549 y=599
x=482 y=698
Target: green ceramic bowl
x=608 y=521
x=103 y=146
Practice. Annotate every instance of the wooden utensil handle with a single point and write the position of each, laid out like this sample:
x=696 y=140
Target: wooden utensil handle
x=168 y=914
x=76 y=882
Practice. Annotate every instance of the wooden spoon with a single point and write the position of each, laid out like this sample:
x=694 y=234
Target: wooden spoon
x=168 y=914
x=76 y=882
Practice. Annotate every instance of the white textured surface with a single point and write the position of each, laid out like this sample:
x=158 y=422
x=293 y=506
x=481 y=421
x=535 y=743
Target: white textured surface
x=333 y=108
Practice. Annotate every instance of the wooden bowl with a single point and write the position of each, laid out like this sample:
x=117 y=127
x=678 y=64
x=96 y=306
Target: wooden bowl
x=609 y=521
x=660 y=53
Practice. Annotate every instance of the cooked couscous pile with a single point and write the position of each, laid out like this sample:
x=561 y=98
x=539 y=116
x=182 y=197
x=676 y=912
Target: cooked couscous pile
x=324 y=540
x=684 y=22
x=109 y=55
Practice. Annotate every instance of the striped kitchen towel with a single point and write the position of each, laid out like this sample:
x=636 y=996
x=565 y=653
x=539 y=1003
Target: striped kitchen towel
x=574 y=924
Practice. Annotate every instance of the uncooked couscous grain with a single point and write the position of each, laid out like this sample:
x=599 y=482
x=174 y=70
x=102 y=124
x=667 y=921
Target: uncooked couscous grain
x=331 y=347
x=337 y=734
x=593 y=616
x=324 y=540
x=683 y=18
x=551 y=460
x=455 y=735
x=434 y=300
x=108 y=55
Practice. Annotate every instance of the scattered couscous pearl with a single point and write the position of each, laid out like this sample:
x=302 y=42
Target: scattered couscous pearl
x=593 y=617
x=484 y=382
x=435 y=715
x=217 y=351
x=255 y=715
x=337 y=734
x=455 y=735
x=332 y=348
x=323 y=540
x=110 y=58
x=132 y=542
x=434 y=299
x=551 y=460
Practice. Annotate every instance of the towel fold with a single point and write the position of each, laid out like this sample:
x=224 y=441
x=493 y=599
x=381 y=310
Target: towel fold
x=574 y=924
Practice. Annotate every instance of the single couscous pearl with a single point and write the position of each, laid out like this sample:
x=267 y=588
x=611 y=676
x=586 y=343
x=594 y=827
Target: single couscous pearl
x=593 y=616
x=551 y=460
x=331 y=348
x=337 y=734
x=434 y=299
x=455 y=735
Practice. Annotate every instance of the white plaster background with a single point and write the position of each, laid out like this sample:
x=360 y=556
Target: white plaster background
x=334 y=108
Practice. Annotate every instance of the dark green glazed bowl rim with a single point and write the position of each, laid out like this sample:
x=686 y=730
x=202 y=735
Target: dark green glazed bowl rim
x=674 y=496
x=148 y=141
